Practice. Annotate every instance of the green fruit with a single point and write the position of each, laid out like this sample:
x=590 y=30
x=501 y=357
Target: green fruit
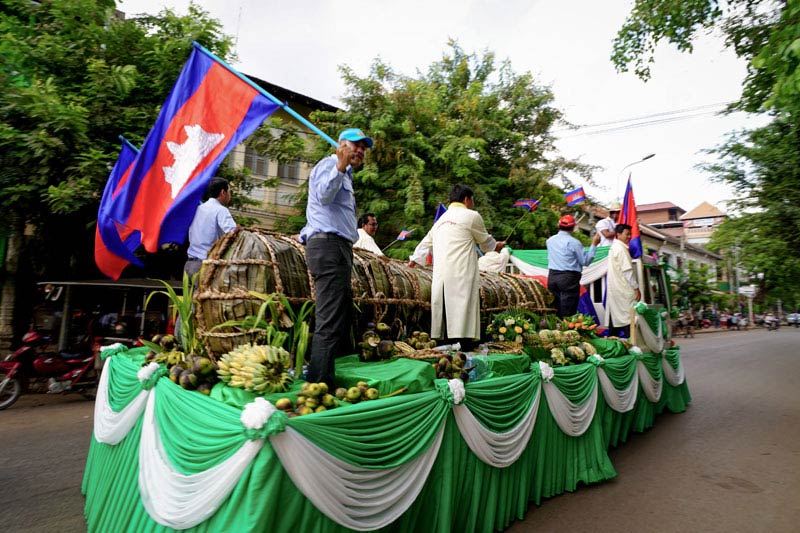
x=353 y=394
x=304 y=410
x=341 y=392
x=202 y=366
x=328 y=400
x=175 y=373
x=314 y=389
x=301 y=400
x=362 y=385
x=320 y=409
x=312 y=403
x=384 y=331
x=386 y=349
x=284 y=404
x=205 y=388
x=371 y=394
x=323 y=387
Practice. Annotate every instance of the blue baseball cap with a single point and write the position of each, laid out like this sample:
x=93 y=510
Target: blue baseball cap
x=355 y=135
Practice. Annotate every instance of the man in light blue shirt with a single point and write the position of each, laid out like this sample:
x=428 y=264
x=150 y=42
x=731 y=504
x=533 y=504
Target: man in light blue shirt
x=565 y=261
x=329 y=234
x=211 y=221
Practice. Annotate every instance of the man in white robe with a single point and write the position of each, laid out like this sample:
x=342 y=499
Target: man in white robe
x=455 y=288
x=367 y=227
x=622 y=287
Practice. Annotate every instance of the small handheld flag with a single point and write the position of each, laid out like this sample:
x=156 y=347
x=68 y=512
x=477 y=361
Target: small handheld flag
x=530 y=204
x=405 y=234
x=575 y=197
x=439 y=212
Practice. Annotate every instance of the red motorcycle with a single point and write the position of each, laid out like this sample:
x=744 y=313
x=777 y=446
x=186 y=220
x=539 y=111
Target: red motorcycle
x=31 y=369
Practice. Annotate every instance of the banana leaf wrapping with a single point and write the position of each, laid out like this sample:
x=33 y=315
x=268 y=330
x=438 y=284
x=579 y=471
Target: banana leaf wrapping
x=250 y=259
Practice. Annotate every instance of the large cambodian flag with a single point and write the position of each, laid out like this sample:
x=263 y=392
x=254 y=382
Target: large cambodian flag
x=211 y=109
x=113 y=244
x=628 y=216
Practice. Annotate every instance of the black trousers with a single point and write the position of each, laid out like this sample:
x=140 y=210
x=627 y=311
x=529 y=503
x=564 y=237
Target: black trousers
x=330 y=261
x=565 y=285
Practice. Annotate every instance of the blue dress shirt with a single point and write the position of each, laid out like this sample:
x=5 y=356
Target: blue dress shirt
x=331 y=202
x=565 y=252
x=211 y=221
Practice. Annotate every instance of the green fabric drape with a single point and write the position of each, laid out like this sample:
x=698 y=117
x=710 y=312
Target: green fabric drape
x=609 y=347
x=461 y=492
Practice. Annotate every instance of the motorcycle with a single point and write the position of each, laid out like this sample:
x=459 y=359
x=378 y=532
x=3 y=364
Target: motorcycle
x=772 y=324
x=32 y=369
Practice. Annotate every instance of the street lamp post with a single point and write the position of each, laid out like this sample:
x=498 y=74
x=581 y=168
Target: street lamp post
x=645 y=158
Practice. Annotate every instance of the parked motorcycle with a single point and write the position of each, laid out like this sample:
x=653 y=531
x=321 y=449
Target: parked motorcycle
x=32 y=369
x=772 y=324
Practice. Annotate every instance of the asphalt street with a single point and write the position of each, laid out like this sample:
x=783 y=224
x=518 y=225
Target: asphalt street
x=730 y=463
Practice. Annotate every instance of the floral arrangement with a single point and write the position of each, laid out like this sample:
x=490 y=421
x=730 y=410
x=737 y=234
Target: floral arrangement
x=510 y=326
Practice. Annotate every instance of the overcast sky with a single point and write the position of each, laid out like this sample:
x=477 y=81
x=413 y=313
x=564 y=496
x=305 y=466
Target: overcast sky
x=567 y=45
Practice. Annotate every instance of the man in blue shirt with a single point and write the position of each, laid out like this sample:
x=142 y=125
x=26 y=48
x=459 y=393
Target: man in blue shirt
x=329 y=234
x=211 y=221
x=565 y=261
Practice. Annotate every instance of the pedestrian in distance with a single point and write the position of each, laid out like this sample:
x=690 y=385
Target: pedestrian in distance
x=367 y=227
x=606 y=226
x=566 y=258
x=329 y=234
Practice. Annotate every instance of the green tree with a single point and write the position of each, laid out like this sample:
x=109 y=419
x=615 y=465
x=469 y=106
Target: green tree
x=465 y=120
x=762 y=164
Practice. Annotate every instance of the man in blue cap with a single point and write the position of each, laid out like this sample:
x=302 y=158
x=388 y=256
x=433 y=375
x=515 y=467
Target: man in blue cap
x=329 y=234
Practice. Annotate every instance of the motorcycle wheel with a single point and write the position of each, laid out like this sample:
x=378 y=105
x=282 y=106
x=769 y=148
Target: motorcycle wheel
x=11 y=392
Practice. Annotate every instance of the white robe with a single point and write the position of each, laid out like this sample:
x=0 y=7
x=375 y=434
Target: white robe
x=620 y=294
x=456 y=283
x=366 y=242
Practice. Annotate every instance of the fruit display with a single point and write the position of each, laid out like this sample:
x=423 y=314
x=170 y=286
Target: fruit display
x=262 y=369
x=419 y=340
x=580 y=323
x=511 y=326
x=376 y=343
x=194 y=372
x=452 y=366
x=312 y=398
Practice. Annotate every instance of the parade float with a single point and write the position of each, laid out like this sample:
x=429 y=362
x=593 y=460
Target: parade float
x=217 y=431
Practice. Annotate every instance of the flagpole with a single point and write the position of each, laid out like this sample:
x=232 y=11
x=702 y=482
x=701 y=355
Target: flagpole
x=263 y=91
x=388 y=245
x=517 y=224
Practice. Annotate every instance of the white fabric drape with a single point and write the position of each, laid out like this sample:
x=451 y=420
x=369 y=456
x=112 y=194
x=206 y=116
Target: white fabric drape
x=496 y=449
x=651 y=387
x=620 y=401
x=111 y=427
x=177 y=500
x=654 y=341
x=673 y=377
x=353 y=497
x=573 y=419
x=590 y=273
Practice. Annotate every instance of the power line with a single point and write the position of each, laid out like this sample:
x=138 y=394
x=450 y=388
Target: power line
x=635 y=125
x=681 y=112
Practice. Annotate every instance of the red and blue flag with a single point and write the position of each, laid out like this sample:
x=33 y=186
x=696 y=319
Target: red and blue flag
x=211 y=109
x=628 y=216
x=575 y=197
x=405 y=234
x=530 y=204
x=114 y=244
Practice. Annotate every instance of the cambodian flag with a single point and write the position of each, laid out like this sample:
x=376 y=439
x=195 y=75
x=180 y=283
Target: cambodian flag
x=530 y=204
x=405 y=234
x=575 y=197
x=114 y=244
x=211 y=109
x=628 y=216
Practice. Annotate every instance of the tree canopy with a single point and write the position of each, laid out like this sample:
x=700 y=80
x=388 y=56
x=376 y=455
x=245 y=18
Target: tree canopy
x=465 y=120
x=760 y=165
x=75 y=76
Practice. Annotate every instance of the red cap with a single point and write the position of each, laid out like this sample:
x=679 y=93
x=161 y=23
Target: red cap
x=567 y=221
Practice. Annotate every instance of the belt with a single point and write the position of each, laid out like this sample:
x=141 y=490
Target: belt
x=190 y=258
x=329 y=237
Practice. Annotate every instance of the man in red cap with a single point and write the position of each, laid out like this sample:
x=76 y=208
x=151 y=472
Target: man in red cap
x=566 y=258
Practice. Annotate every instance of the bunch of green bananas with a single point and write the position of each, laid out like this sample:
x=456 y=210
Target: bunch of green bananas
x=262 y=369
